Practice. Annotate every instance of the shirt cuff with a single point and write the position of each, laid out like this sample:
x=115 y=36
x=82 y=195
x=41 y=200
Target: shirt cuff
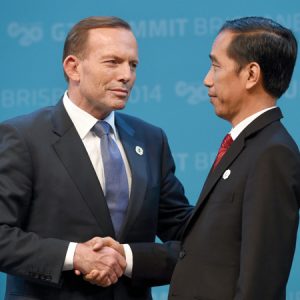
x=69 y=260
x=129 y=260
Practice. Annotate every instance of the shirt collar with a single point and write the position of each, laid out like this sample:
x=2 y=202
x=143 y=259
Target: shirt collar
x=235 y=131
x=82 y=120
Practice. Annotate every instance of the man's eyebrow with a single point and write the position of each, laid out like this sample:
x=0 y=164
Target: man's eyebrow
x=107 y=56
x=116 y=57
x=213 y=58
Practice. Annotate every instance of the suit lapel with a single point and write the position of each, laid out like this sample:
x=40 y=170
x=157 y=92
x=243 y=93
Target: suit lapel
x=214 y=175
x=233 y=152
x=75 y=159
x=138 y=166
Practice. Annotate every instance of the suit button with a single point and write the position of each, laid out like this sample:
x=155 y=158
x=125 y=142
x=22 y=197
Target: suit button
x=48 y=277
x=182 y=254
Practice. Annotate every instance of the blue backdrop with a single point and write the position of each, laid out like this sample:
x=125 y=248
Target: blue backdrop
x=174 y=39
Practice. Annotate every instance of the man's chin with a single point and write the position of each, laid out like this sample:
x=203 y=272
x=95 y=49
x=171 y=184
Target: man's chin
x=218 y=113
x=120 y=104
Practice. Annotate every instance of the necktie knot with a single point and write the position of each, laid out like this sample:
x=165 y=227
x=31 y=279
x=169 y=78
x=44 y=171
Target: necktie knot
x=101 y=128
x=226 y=143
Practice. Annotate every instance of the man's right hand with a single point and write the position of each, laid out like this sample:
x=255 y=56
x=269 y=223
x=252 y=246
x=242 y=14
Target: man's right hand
x=100 y=258
x=97 y=243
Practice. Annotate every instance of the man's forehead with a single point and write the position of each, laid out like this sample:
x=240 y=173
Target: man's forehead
x=221 y=42
x=111 y=36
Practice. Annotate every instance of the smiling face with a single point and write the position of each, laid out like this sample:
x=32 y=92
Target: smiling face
x=101 y=80
x=226 y=86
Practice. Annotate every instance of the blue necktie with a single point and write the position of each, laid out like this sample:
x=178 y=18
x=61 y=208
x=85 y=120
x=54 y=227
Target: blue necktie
x=116 y=183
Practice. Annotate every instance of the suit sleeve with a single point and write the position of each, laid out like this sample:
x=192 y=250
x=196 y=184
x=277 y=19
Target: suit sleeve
x=174 y=209
x=153 y=263
x=269 y=224
x=23 y=253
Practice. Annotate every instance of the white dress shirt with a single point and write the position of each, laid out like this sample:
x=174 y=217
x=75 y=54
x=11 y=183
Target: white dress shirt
x=235 y=131
x=83 y=123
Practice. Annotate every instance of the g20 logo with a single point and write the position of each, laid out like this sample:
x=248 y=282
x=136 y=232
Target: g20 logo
x=25 y=33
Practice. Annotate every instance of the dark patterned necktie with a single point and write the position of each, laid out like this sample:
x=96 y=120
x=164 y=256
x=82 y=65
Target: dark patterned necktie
x=226 y=143
x=116 y=183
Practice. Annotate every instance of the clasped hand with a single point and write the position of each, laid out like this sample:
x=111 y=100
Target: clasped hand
x=101 y=261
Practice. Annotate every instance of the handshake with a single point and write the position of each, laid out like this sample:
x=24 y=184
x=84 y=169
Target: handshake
x=101 y=261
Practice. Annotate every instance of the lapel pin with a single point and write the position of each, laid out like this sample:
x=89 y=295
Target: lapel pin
x=139 y=150
x=226 y=174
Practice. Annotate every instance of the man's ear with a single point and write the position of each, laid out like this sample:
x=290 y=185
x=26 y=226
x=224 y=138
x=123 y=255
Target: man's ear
x=253 y=73
x=71 y=64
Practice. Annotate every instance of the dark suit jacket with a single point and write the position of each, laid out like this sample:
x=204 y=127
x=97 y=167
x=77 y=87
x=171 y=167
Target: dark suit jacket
x=50 y=195
x=240 y=241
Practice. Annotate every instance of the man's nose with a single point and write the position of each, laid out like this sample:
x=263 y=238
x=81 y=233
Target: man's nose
x=125 y=72
x=208 y=79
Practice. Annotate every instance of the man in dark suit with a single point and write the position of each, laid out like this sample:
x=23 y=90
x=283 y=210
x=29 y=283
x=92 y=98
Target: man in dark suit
x=240 y=240
x=56 y=198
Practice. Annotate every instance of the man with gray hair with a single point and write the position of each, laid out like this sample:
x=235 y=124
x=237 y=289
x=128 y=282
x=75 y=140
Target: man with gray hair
x=84 y=189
